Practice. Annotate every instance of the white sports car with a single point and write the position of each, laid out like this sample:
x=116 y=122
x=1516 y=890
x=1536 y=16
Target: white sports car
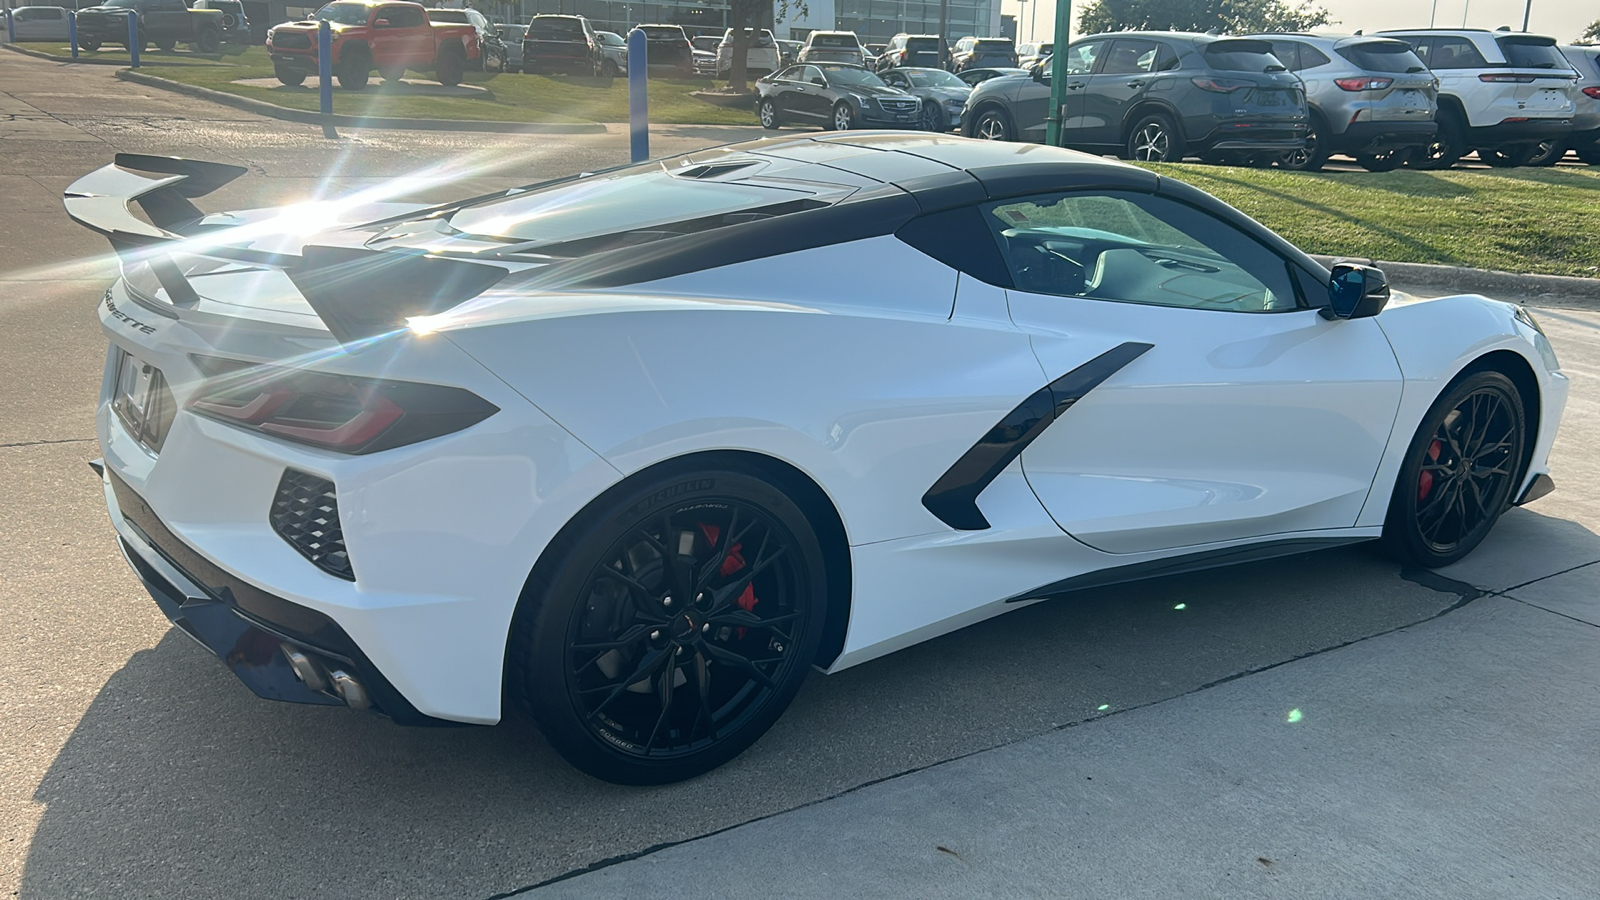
x=636 y=449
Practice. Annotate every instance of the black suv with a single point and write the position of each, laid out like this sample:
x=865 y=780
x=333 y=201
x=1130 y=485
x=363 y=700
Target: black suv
x=1154 y=96
x=560 y=44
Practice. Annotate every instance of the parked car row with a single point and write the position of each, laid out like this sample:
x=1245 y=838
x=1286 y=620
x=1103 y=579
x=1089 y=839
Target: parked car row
x=205 y=25
x=1423 y=98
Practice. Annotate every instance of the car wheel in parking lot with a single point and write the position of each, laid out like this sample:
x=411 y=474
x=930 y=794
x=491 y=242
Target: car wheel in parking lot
x=166 y=46
x=1155 y=138
x=609 y=69
x=452 y=61
x=1589 y=152
x=932 y=118
x=353 y=70
x=88 y=44
x=671 y=626
x=1448 y=146
x=992 y=125
x=289 y=76
x=1458 y=473
x=1548 y=153
x=1509 y=156
x=1384 y=160
x=843 y=118
x=768 y=111
x=210 y=41
x=1315 y=154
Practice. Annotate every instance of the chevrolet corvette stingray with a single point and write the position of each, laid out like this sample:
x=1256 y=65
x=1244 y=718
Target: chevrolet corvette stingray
x=633 y=451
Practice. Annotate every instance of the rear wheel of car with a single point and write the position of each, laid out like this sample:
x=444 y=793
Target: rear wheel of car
x=675 y=621
x=843 y=118
x=1315 y=154
x=768 y=112
x=289 y=76
x=166 y=46
x=451 y=63
x=88 y=44
x=1588 y=152
x=1548 y=153
x=1384 y=160
x=209 y=41
x=354 y=68
x=1510 y=156
x=609 y=69
x=992 y=124
x=1449 y=145
x=1154 y=138
x=1458 y=473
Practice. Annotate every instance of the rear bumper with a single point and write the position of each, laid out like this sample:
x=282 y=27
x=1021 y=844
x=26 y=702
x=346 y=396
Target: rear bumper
x=1248 y=135
x=1362 y=136
x=1529 y=131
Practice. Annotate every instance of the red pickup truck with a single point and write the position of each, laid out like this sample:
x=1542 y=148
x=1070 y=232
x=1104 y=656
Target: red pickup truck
x=371 y=34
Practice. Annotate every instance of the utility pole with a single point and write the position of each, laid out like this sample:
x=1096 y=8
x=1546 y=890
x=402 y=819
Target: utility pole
x=1033 y=20
x=1022 y=13
x=1058 y=72
x=1527 y=10
x=1434 y=14
x=944 y=24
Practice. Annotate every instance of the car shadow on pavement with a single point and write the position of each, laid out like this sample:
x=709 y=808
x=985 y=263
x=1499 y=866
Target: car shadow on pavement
x=177 y=782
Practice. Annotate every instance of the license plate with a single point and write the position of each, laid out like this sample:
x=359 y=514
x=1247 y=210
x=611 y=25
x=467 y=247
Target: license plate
x=1272 y=98
x=1410 y=97
x=141 y=399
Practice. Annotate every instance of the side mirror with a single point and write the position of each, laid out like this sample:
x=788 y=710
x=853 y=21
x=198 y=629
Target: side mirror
x=1038 y=73
x=380 y=23
x=819 y=82
x=1355 y=292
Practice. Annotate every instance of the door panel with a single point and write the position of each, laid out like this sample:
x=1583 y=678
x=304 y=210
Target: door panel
x=1125 y=75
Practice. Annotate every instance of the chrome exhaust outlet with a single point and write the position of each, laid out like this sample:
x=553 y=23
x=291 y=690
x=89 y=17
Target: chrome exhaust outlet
x=349 y=690
x=305 y=669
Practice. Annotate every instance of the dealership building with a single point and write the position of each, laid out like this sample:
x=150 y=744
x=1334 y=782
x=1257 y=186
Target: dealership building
x=874 y=21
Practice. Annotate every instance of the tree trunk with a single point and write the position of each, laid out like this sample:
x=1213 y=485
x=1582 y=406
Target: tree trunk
x=738 y=70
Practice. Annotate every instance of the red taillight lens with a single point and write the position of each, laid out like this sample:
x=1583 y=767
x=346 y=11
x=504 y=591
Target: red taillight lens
x=334 y=412
x=1592 y=92
x=1507 y=79
x=1219 y=85
x=1364 y=83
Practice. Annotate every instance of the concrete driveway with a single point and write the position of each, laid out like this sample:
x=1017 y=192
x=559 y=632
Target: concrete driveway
x=1327 y=725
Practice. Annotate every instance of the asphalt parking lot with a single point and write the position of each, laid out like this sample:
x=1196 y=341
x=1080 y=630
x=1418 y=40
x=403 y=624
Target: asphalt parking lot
x=1322 y=726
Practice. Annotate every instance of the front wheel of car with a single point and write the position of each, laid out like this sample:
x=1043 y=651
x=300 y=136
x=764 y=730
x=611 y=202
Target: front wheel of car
x=1155 y=138
x=166 y=46
x=210 y=41
x=353 y=70
x=672 y=624
x=610 y=69
x=992 y=125
x=932 y=118
x=843 y=118
x=768 y=111
x=88 y=44
x=1384 y=160
x=289 y=76
x=1458 y=473
x=1510 y=156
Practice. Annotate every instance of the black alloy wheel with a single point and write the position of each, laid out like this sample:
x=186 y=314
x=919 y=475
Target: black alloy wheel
x=1509 y=156
x=674 y=628
x=1548 y=153
x=1155 y=138
x=1459 y=472
x=1384 y=160
x=931 y=117
x=1314 y=155
x=1449 y=144
x=210 y=41
x=768 y=112
x=992 y=125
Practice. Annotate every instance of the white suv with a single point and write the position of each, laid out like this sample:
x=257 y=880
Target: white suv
x=760 y=56
x=1500 y=93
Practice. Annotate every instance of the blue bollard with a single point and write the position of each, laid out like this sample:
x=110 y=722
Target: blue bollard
x=638 y=95
x=11 y=29
x=72 y=32
x=325 y=76
x=133 y=39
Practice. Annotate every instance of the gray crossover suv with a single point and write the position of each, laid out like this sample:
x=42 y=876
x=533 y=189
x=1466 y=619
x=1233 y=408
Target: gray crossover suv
x=1369 y=97
x=1154 y=96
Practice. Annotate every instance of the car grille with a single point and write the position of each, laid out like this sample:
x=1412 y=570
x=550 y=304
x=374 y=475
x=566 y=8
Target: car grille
x=305 y=513
x=291 y=41
x=899 y=105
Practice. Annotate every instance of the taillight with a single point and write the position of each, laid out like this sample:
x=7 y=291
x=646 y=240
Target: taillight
x=335 y=412
x=1592 y=92
x=1364 y=83
x=1219 y=85
x=1507 y=79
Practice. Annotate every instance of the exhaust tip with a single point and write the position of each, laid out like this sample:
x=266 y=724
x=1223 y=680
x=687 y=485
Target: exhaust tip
x=305 y=668
x=349 y=690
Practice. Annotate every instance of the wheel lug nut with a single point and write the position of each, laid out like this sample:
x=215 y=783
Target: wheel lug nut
x=667 y=601
x=655 y=635
x=706 y=628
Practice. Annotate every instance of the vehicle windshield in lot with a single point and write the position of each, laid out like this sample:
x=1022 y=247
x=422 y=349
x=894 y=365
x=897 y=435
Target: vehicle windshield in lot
x=1242 y=56
x=1383 y=56
x=847 y=41
x=934 y=78
x=631 y=199
x=1531 y=53
x=853 y=76
x=554 y=27
x=344 y=13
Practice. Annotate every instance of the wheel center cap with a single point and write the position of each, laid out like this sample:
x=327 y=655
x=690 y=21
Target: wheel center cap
x=684 y=627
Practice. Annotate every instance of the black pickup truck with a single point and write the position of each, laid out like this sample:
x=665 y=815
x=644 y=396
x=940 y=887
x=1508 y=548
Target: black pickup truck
x=165 y=23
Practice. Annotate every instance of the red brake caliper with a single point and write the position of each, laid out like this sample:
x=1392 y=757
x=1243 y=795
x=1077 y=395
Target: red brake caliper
x=1425 y=483
x=732 y=563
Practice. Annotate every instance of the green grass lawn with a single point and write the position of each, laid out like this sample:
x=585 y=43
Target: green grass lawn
x=1544 y=221
x=517 y=97
x=148 y=56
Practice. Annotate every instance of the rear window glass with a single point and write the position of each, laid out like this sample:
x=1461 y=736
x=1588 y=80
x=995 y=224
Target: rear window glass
x=922 y=44
x=835 y=40
x=995 y=45
x=447 y=15
x=1383 y=56
x=555 y=27
x=1525 y=54
x=1242 y=56
x=663 y=33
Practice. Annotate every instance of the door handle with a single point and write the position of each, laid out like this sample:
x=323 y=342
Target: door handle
x=1074 y=85
x=1135 y=84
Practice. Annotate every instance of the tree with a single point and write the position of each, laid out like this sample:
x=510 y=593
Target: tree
x=747 y=18
x=1224 y=16
x=1591 y=35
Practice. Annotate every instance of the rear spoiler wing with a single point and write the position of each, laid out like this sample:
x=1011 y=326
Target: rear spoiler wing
x=358 y=293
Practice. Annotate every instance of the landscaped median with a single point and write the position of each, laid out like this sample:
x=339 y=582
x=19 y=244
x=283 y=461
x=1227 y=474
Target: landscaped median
x=506 y=97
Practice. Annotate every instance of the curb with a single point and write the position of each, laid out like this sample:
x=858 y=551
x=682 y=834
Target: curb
x=89 y=61
x=305 y=117
x=1561 y=291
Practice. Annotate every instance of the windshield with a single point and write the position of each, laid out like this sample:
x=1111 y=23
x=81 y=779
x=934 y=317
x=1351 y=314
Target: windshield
x=344 y=13
x=705 y=43
x=852 y=76
x=934 y=78
x=1523 y=53
x=610 y=38
x=1384 y=56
